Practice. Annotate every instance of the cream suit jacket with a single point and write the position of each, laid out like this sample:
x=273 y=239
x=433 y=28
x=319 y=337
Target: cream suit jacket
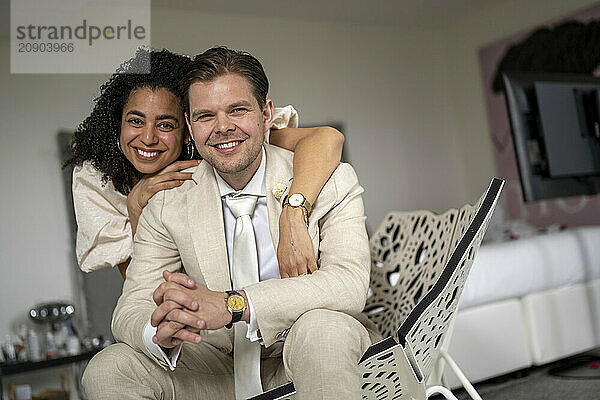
x=184 y=227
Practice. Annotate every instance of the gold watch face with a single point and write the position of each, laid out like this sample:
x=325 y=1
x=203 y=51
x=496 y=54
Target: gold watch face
x=236 y=303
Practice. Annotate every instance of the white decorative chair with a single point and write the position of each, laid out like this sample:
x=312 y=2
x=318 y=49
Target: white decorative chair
x=420 y=264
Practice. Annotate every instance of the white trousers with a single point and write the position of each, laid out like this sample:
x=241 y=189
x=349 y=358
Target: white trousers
x=320 y=355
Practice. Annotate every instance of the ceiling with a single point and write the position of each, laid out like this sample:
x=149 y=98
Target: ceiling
x=406 y=13
x=376 y=12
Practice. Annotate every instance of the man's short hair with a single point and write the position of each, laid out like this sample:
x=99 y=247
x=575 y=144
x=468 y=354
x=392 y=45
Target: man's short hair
x=219 y=61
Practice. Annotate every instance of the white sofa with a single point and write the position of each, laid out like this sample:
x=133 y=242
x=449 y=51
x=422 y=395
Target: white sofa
x=528 y=302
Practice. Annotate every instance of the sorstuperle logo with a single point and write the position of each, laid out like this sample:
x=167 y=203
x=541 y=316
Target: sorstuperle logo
x=82 y=32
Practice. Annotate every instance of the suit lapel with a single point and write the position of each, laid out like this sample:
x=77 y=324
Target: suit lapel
x=205 y=221
x=277 y=172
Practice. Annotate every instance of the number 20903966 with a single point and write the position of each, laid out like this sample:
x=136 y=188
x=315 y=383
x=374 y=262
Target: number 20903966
x=45 y=47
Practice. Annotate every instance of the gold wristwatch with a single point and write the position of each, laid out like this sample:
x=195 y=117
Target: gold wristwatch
x=298 y=200
x=236 y=305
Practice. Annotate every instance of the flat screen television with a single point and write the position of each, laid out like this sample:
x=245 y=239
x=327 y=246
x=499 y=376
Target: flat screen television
x=555 y=125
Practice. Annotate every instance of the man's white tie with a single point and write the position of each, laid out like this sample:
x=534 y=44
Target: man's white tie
x=244 y=271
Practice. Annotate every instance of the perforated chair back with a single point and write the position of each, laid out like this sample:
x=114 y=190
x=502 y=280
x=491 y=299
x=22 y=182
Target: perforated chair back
x=409 y=250
x=420 y=264
x=431 y=298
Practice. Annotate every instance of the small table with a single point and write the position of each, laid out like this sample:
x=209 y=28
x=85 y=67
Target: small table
x=13 y=368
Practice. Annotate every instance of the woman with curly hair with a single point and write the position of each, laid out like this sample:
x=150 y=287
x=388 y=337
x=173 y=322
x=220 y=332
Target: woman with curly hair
x=135 y=143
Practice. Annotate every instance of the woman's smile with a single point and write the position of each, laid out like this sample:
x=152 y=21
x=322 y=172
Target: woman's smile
x=147 y=155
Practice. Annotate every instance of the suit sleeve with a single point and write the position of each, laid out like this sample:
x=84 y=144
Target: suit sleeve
x=154 y=251
x=342 y=281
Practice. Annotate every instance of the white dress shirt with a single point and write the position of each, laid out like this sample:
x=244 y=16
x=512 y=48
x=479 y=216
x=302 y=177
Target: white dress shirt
x=268 y=267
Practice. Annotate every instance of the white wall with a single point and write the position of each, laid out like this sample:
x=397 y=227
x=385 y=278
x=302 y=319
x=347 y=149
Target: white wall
x=35 y=242
x=410 y=99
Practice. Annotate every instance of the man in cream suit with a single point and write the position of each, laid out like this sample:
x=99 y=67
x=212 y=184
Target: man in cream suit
x=305 y=328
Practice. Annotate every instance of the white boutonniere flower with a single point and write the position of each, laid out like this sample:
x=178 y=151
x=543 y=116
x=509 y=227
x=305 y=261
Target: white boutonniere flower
x=279 y=190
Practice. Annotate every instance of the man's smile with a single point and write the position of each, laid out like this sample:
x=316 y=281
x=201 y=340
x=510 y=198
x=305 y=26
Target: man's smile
x=228 y=147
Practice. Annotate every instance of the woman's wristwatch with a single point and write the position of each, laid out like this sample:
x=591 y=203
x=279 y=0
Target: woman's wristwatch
x=298 y=200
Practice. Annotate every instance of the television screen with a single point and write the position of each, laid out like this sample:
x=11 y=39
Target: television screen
x=555 y=126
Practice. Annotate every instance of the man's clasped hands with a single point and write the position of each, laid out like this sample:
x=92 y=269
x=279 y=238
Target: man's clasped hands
x=184 y=309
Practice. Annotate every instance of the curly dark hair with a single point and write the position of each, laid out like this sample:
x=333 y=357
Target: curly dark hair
x=96 y=138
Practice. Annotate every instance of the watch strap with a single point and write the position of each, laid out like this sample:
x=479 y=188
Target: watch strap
x=236 y=316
